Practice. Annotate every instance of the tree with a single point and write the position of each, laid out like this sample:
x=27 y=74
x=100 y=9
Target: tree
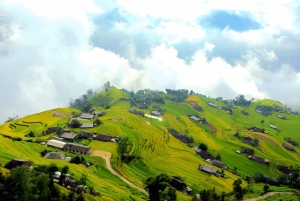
x=266 y=188
x=83 y=179
x=203 y=147
x=74 y=123
x=106 y=86
x=259 y=177
x=237 y=189
x=157 y=185
x=125 y=146
x=168 y=194
x=97 y=122
x=41 y=186
x=218 y=157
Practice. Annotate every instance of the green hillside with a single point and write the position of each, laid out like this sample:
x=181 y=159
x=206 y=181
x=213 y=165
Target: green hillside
x=157 y=150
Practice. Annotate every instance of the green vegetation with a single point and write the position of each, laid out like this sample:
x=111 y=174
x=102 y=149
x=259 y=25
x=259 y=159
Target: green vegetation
x=157 y=151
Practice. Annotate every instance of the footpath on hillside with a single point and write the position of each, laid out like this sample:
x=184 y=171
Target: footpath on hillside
x=106 y=156
x=267 y=195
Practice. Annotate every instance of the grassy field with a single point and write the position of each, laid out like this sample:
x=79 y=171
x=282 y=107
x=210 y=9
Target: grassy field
x=160 y=152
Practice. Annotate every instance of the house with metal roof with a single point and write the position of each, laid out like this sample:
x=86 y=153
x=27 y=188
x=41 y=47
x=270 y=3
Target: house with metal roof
x=156 y=113
x=69 y=136
x=55 y=155
x=218 y=164
x=86 y=116
x=87 y=125
x=56 y=144
x=76 y=148
x=208 y=169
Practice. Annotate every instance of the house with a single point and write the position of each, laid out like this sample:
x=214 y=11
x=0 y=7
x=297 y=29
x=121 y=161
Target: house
x=87 y=135
x=56 y=176
x=218 y=164
x=291 y=141
x=51 y=130
x=213 y=105
x=156 y=113
x=56 y=144
x=177 y=183
x=55 y=155
x=255 y=129
x=247 y=140
x=272 y=182
x=133 y=111
x=180 y=137
x=258 y=111
x=272 y=126
x=259 y=160
x=142 y=106
x=188 y=190
x=76 y=148
x=98 y=113
x=244 y=112
x=205 y=155
x=102 y=137
x=156 y=106
x=280 y=117
x=207 y=169
x=284 y=169
x=16 y=162
x=288 y=147
x=86 y=116
x=247 y=151
x=195 y=118
x=69 y=136
x=87 y=125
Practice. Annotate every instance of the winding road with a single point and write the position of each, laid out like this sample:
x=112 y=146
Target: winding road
x=106 y=156
x=267 y=195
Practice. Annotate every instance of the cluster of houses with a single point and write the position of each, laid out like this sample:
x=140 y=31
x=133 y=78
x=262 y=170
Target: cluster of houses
x=227 y=109
x=289 y=147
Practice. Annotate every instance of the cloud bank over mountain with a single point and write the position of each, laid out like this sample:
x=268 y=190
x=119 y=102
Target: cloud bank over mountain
x=51 y=51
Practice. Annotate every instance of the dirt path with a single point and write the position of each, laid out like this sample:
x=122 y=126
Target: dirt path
x=263 y=138
x=106 y=156
x=267 y=195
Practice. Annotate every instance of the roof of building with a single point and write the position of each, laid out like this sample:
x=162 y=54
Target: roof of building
x=205 y=155
x=86 y=116
x=258 y=159
x=247 y=151
x=156 y=113
x=289 y=147
x=86 y=134
x=195 y=118
x=56 y=143
x=272 y=126
x=77 y=147
x=291 y=141
x=68 y=135
x=103 y=137
x=51 y=130
x=17 y=162
x=284 y=169
x=218 y=163
x=212 y=104
x=247 y=140
x=55 y=155
x=87 y=125
x=207 y=169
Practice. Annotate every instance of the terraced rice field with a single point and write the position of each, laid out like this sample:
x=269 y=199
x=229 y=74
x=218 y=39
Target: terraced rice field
x=160 y=152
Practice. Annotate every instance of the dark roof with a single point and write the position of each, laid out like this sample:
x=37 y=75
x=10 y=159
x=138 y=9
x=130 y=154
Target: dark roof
x=288 y=147
x=180 y=137
x=85 y=134
x=16 y=162
x=291 y=141
x=103 y=137
x=247 y=140
x=284 y=169
x=247 y=151
x=255 y=129
x=205 y=155
x=133 y=111
x=86 y=116
x=245 y=113
x=68 y=135
x=218 y=164
x=142 y=106
x=177 y=183
x=272 y=182
x=259 y=160
x=77 y=147
x=155 y=106
x=208 y=169
x=51 y=130
x=55 y=155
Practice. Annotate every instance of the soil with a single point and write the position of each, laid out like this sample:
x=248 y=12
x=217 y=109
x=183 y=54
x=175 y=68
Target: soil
x=267 y=195
x=263 y=138
x=106 y=156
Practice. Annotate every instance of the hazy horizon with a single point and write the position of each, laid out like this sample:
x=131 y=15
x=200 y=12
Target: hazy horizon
x=55 y=50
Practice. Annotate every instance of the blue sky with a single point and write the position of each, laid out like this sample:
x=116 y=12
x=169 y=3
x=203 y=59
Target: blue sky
x=216 y=48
